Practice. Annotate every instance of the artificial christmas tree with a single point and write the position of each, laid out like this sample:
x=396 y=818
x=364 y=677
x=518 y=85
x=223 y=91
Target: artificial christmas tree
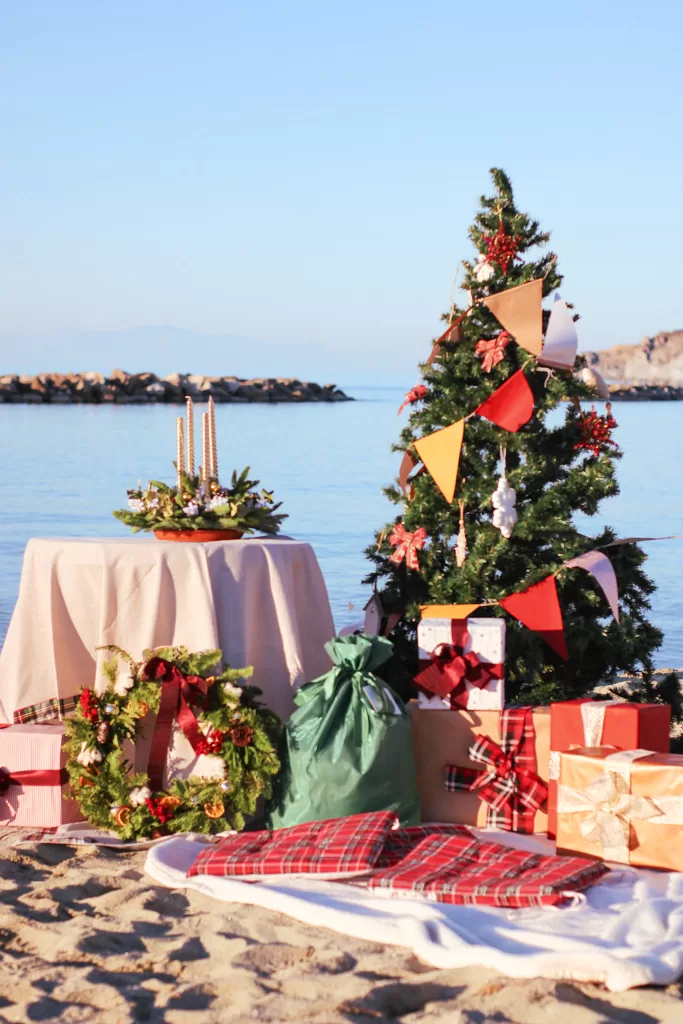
x=476 y=373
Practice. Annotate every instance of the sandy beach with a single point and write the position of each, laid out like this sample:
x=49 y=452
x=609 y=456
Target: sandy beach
x=87 y=936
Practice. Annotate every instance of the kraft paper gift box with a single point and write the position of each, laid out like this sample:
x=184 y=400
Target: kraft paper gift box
x=622 y=806
x=33 y=778
x=618 y=724
x=462 y=663
x=445 y=738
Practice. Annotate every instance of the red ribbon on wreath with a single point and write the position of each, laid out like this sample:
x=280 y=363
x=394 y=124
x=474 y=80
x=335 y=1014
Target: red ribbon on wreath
x=407 y=545
x=178 y=693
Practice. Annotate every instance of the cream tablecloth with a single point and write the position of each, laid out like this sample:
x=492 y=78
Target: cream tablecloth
x=263 y=602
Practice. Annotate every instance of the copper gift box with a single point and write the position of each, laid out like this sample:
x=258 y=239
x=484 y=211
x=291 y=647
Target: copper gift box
x=444 y=737
x=622 y=806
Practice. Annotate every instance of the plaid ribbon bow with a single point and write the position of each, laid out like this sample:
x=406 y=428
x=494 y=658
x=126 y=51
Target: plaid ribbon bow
x=508 y=782
x=451 y=669
x=407 y=545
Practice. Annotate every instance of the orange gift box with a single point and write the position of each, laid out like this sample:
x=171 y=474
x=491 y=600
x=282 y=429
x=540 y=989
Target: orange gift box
x=622 y=725
x=442 y=738
x=622 y=806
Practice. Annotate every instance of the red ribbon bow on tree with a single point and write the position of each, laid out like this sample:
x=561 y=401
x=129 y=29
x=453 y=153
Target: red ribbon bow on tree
x=407 y=545
x=178 y=693
x=451 y=669
x=508 y=783
x=492 y=350
x=414 y=395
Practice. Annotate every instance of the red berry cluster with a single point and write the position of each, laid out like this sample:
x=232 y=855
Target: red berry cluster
x=210 y=744
x=241 y=735
x=595 y=432
x=159 y=809
x=502 y=248
x=88 y=704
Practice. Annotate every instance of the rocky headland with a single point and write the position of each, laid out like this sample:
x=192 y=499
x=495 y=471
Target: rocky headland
x=652 y=370
x=121 y=388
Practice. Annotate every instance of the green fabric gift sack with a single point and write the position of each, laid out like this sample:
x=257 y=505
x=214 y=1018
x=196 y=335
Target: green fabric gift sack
x=347 y=748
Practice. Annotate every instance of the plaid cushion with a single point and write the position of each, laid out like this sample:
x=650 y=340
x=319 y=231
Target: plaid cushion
x=461 y=870
x=402 y=841
x=55 y=708
x=338 y=848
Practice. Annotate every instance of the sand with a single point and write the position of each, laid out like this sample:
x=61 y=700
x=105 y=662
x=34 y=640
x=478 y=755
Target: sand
x=86 y=936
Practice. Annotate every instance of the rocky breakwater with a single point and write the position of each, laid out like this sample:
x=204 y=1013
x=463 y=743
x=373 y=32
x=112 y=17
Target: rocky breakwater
x=122 y=388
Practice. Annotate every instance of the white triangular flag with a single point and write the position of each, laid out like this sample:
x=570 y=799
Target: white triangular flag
x=561 y=340
x=602 y=569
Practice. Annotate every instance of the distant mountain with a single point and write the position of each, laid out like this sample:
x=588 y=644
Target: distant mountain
x=654 y=360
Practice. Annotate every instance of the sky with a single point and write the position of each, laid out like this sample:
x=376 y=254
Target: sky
x=303 y=173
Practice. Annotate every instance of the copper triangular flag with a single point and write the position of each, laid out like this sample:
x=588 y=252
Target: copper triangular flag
x=519 y=311
x=447 y=611
x=440 y=453
x=538 y=608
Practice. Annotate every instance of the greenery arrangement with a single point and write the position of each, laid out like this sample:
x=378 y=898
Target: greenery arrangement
x=237 y=734
x=558 y=466
x=194 y=506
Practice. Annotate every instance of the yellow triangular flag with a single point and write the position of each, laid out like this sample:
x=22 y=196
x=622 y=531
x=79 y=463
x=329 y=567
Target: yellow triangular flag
x=440 y=453
x=447 y=611
x=519 y=311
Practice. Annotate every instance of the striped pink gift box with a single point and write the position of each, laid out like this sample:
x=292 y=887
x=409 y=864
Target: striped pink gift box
x=34 y=748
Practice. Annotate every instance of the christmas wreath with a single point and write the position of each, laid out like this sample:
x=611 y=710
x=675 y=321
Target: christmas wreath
x=222 y=719
x=194 y=505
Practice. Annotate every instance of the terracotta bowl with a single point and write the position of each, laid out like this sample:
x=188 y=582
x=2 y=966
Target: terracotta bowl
x=189 y=536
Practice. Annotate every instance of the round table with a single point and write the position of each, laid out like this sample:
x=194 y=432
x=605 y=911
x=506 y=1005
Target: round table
x=262 y=602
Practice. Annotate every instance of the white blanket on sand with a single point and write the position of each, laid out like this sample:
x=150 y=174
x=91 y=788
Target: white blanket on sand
x=627 y=932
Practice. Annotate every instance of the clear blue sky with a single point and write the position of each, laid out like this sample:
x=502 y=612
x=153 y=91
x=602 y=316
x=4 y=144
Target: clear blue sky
x=306 y=171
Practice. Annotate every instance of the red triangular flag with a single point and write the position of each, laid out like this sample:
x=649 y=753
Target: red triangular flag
x=511 y=406
x=538 y=608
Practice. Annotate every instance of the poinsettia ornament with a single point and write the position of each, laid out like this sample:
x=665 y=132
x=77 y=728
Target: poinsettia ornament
x=407 y=545
x=502 y=248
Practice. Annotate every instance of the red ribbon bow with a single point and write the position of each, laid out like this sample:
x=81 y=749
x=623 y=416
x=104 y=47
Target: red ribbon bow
x=451 y=669
x=492 y=350
x=407 y=545
x=414 y=395
x=178 y=693
x=508 y=783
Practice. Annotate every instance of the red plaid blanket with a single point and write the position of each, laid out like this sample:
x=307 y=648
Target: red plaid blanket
x=460 y=870
x=508 y=782
x=338 y=848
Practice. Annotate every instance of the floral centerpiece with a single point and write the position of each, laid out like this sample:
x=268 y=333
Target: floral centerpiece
x=199 y=507
x=234 y=737
x=194 y=506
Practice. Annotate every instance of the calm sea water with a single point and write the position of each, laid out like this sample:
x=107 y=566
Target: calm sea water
x=66 y=468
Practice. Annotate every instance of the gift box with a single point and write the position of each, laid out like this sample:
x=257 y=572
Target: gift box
x=622 y=806
x=461 y=663
x=33 y=777
x=588 y=723
x=483 y=767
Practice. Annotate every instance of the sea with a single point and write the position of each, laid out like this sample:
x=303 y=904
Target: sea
x=66 y=467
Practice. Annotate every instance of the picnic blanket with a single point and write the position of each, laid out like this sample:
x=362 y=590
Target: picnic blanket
x=626 y=931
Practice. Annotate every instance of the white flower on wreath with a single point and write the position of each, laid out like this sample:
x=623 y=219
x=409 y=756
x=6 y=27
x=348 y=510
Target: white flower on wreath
x=232 y=692
x=137 y=797
x=153 y=503
x=123 y=685
x=137 y=504
x=86 y=756
x=191 y=509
